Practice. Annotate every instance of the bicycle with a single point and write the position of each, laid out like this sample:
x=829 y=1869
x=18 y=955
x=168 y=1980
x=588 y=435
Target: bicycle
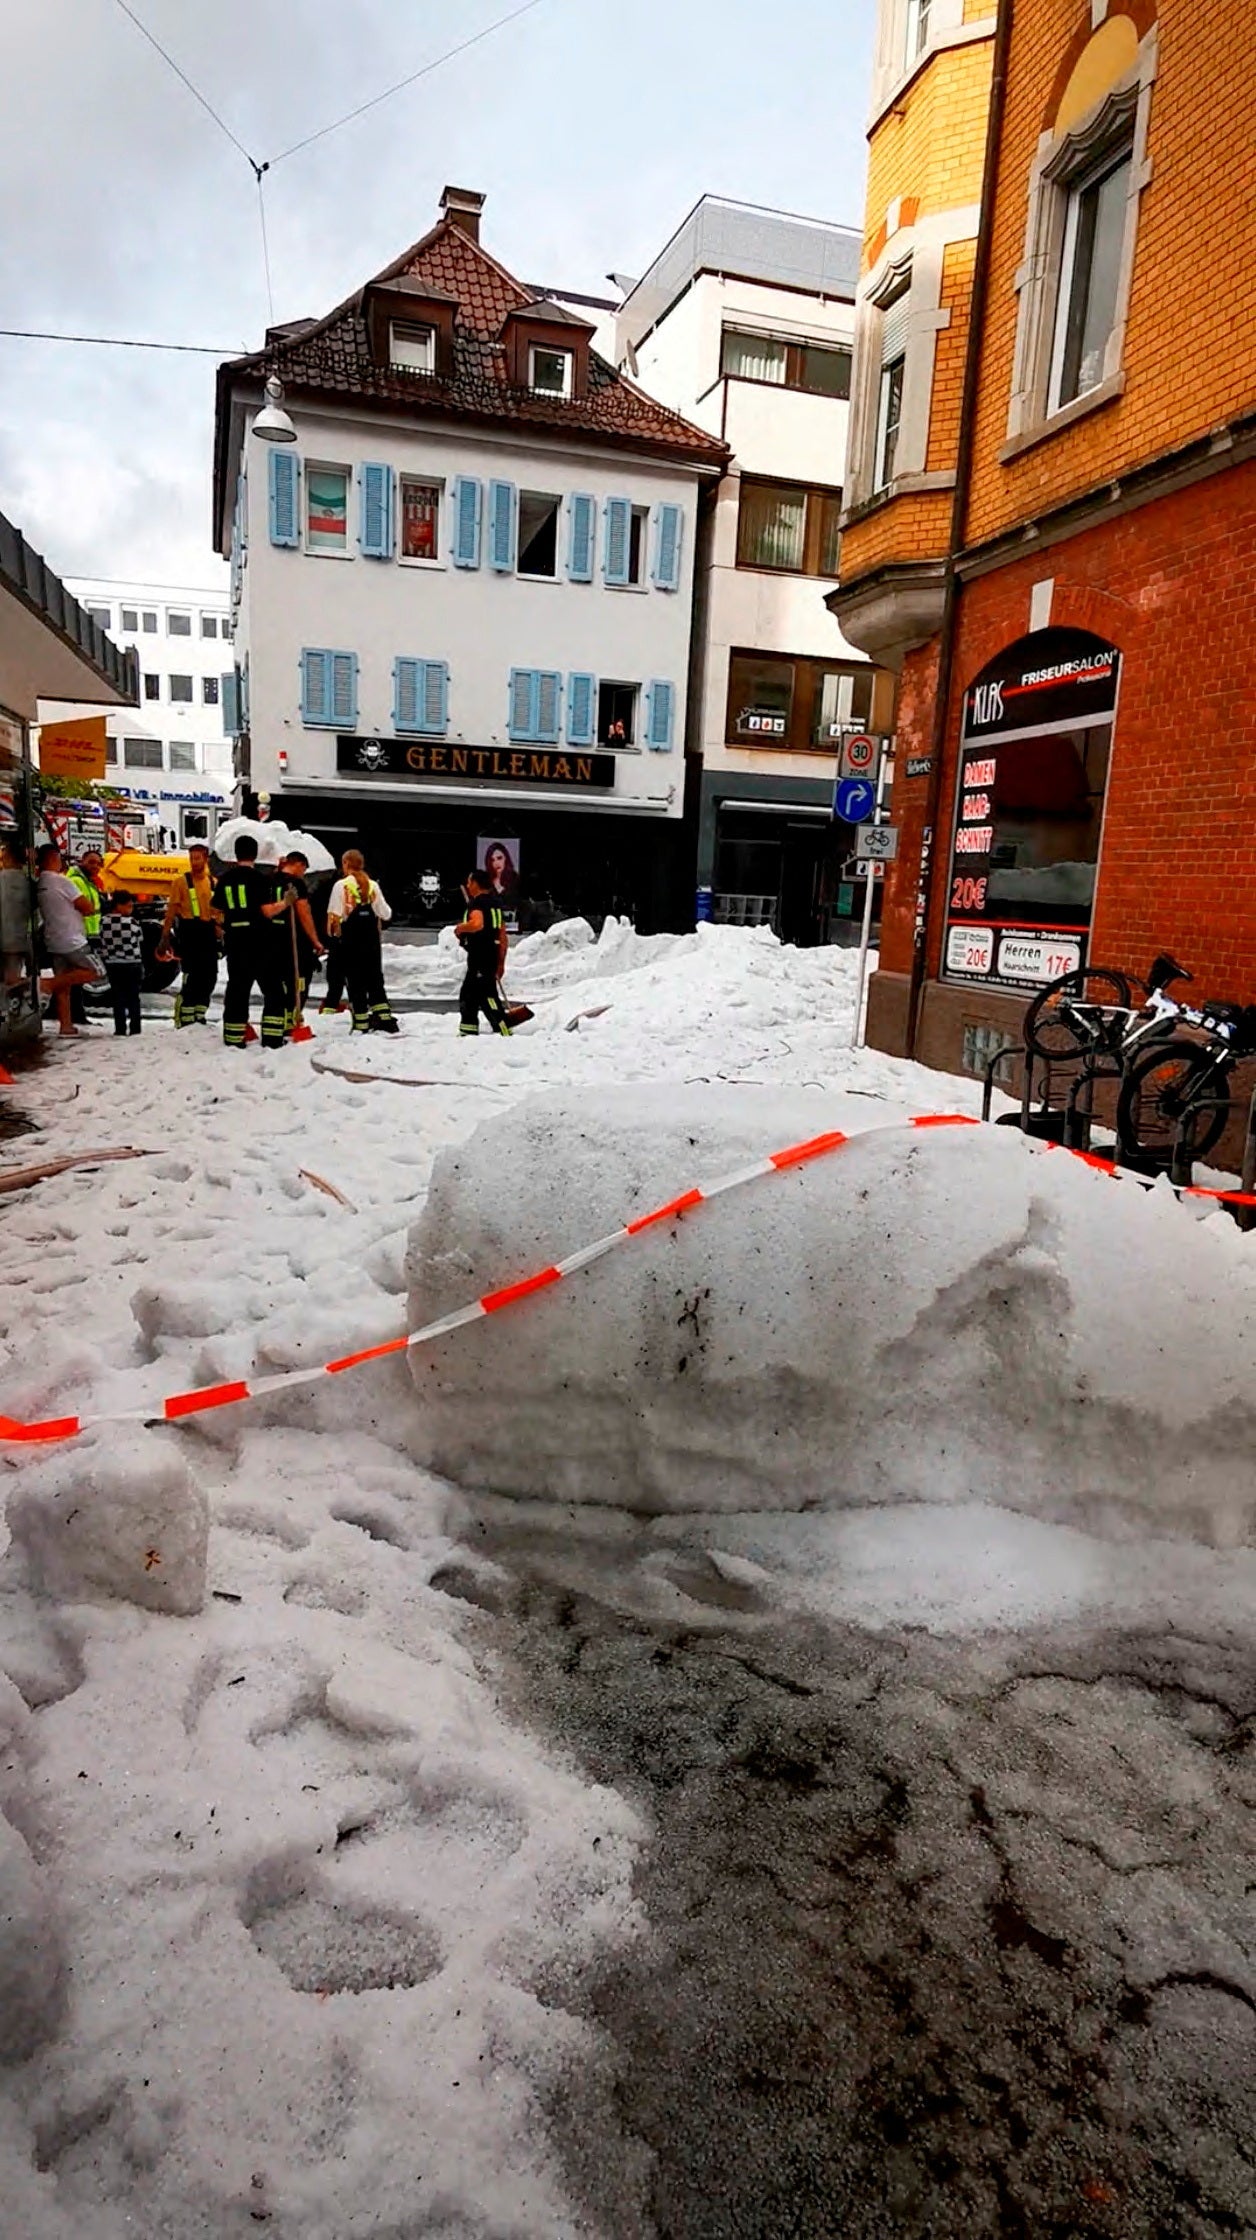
x=1175 y=1100
x=1091 y=1013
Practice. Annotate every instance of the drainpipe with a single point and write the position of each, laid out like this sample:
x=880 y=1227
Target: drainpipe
x=959 y=509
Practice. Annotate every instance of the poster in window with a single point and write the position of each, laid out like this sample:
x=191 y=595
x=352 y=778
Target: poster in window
x=1031 y=782
x=420 y=505
x=500 y=860
x=328 y=507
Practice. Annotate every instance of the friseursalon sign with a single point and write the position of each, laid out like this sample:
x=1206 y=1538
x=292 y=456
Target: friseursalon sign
x=435 y=761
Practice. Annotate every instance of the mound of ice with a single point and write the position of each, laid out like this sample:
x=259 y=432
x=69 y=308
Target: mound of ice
x=30 y=1960
x=923 y=1316
x=115 y=1514
x=274 y=839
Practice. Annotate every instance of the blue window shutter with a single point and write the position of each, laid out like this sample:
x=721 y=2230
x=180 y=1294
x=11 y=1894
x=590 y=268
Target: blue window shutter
x=617 y=548
x=466 y=525
x=581 y=694
x=435 y=700
x=661 y=704
x=549 y=702
x=242 y=692
x=375 y=512
x=315 y=685
x=501 y=526
x=285 y=512
x=524 y=685
x=405 y=693
x=242 y=511
x=344 y=690
x=230 y=700
x=583 y=528
x=667 y=539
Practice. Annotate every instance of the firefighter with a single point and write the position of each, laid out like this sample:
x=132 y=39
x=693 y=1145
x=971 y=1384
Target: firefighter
x=189 y=920
x=296 y=934
x=483 y=935
x=355 y=913
x=245 y=900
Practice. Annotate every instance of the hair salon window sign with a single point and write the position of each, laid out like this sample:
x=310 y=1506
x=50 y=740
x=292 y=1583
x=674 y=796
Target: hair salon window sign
x=1035 y=742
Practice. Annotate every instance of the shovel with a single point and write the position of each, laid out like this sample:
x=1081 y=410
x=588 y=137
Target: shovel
x=298 y=1032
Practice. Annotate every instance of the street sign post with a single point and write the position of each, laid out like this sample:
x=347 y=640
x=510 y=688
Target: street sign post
x=854 y=800
x=859 y=756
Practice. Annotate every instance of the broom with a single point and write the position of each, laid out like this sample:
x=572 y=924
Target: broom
x=298 y=1032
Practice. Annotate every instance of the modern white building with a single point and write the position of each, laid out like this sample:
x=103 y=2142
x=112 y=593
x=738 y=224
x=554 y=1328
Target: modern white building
x=171 y=754
x=745 y=322
x=463 y=597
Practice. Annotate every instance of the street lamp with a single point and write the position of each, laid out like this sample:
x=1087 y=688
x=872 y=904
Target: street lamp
x=272 y=423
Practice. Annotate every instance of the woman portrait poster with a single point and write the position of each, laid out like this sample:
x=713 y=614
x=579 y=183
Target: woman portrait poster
x=499 y=860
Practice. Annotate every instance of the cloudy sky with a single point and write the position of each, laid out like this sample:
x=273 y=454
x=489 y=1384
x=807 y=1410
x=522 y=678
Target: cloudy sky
x=592 y=126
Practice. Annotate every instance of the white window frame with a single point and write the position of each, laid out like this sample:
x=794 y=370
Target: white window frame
x=1113 y=158
x=189 y=745
x=178 y=614
x=883 y=467
x=635 y=745
x=552 y=498
x=551 y=350
x=1064 y=165
x=412 y=346
x=434 y=482
x=324 y=551
x=915 y=31
x=183 y=699
x=209 y=634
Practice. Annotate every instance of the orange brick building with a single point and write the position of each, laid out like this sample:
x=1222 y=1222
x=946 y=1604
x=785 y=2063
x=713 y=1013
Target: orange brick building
x=1076 y=763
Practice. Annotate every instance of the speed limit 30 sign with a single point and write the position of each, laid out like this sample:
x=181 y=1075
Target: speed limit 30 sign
x=859 y=754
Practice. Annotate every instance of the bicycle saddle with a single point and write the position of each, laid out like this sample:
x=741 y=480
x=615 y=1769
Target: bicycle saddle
x=1164 y=972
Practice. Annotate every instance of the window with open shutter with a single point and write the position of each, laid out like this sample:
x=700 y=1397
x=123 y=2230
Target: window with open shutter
x=667 y=535
x=581 y=703
x=420 y=696
x=375 y=498
x=466 y=522
x=617 y=547
x=660 y=714
x=501 y=526
x=284 y=470
x=521 y=722
x=582 y=524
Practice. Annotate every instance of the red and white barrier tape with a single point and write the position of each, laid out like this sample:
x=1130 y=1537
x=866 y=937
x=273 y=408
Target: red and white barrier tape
x=181 y=1404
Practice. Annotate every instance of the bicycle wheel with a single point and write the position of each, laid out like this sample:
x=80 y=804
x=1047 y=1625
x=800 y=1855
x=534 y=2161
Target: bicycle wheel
x=1050 y=1032
x=1157 y=1095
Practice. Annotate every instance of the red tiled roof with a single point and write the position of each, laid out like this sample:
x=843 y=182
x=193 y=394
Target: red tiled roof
x=332 y=358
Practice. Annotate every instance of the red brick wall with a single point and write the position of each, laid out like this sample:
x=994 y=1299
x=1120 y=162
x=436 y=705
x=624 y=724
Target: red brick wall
x=1174 y=586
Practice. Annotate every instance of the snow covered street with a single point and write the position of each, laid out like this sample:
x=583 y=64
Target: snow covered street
x=819 y=1802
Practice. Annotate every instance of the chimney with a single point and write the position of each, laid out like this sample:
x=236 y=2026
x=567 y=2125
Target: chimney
x=462 y=206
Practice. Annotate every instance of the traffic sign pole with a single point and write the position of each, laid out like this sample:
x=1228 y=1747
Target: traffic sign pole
x=865 y=938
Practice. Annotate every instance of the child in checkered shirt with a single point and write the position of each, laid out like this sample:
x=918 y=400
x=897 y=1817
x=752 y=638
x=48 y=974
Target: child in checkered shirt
x=122 y=947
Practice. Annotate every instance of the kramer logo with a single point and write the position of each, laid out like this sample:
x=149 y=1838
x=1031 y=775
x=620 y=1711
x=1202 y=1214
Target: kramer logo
x=431 y=760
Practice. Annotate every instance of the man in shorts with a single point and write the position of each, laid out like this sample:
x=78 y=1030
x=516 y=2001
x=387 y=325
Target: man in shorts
x=63 y=907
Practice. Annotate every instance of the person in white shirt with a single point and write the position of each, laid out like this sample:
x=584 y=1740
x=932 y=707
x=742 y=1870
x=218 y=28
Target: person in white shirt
x=355 y=913
x=63 y=906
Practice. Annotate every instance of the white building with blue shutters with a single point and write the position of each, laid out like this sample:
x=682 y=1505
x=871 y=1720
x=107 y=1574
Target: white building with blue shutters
x=463 y=599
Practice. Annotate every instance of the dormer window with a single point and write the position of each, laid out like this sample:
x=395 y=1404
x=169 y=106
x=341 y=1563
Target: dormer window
x=549 y=371
x=413 y=347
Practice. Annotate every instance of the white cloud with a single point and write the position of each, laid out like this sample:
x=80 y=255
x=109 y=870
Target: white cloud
x=139 y=218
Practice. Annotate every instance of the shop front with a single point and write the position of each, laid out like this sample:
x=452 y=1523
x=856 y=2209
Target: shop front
x=1022 y=805
x=544 y=823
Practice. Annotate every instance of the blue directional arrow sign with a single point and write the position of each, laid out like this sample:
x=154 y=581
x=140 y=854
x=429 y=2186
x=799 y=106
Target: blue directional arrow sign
x=854 y=800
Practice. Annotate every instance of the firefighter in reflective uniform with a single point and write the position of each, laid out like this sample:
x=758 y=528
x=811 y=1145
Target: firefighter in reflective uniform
x=245 y=899
x=190 y=920
x=297 y=935
x=483 y=936
x=355 y=913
